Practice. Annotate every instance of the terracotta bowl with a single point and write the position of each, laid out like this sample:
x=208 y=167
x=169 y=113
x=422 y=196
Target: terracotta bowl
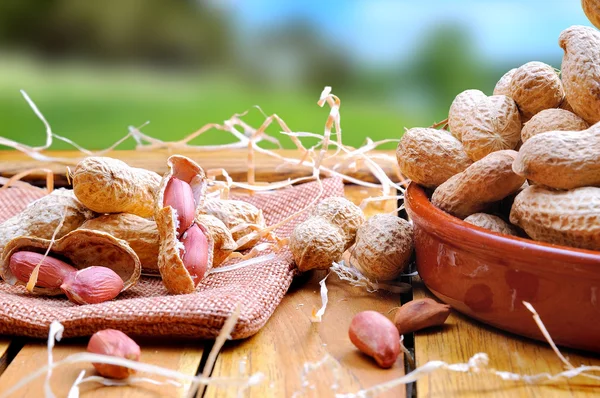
x=487 y=276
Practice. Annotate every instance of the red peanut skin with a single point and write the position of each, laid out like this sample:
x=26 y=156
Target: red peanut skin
x=179 y=195
x=52 y=271
x=92 y=285
x=195 y=258
x=114 y=343
x=376 y=336
x=420 y=314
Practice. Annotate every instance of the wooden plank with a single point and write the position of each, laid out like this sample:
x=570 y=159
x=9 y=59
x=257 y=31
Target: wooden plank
x=4 y=345
x=290 y=340
x=234 y=161
x=463 y=337
x=184 y=357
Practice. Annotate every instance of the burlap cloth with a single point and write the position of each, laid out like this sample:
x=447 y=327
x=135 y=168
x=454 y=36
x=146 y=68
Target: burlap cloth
x=146 y=309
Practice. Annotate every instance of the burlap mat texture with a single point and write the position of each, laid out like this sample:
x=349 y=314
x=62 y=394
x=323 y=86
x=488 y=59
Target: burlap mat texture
x=147 y=309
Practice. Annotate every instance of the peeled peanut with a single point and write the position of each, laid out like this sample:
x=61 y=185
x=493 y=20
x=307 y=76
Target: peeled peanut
x=484 y=182
x=581 y=70
x=92 y=285
x=429 y=157
x=420 y=314
x=51 y=274
x=561 y=159
x=178 y=194
x=195 y=254
x=116 y=344
x=376 y=336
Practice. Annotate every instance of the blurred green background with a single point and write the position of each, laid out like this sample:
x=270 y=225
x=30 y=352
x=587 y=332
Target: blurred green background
x=96 y=67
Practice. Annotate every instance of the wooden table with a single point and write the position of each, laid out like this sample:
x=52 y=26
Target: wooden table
x=289 y=340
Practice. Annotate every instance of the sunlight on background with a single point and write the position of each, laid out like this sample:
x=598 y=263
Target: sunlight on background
x=95 y=68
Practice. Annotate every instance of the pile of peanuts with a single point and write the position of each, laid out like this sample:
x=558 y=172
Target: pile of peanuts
x=117 y=222
x=524 y=161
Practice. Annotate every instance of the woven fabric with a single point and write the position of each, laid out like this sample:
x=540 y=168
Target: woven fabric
x=147 y=309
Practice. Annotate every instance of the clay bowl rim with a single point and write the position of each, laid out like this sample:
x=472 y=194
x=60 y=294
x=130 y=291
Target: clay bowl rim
x=472 y=238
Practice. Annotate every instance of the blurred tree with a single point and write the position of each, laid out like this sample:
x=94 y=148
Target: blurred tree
x=159 y=32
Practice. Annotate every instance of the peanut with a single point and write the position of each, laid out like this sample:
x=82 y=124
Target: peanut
x=420 y=314
x=491 y=222
x=195 y=254
x=383 y=248
x=581 y=70
x=429 y=156
x=376 y=336
x=492 y=125
x=92 y=285
x=569 y=218
x=183 y=259
x=41 y=217
x=79 y=249
x=107 y=185
x=503 y=85
x=342 y=213
x=221 y=236
x=536 y=86
x=52 y=271
x=561 y=159
x=235 y=214
x=460 y=110
x=180 y=197
x=552 y=120
x=484 y=182
x=140 y=233
x=316 y=244
x=591 y=8
x=116 y=344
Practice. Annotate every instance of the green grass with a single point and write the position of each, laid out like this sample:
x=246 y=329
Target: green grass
x=95 y=106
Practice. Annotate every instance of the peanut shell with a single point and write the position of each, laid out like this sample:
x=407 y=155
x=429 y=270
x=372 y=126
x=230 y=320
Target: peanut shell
x=493 y=125
x=591 y=8
x=536 y=86
x=581 y=70
x=342 y=213
x=235 y=214
x=173 y=272
x=107 y=185
x=460 y=110
x=316 y=244
x=552 y=120
x=41 y=217
x=561 y=159
x=486 y=181
x=429 y=157
x=491 y=222
x=503 y=85
x=140 y=233
x=383 y=248
x=81 y=248
x=568 y=218
x=221 y=236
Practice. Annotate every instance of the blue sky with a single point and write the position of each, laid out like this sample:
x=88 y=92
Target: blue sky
x=383 y=31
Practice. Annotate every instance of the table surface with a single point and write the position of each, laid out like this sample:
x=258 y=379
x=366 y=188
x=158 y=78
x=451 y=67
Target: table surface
x=290 y=340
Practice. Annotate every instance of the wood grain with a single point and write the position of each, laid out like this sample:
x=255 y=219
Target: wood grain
x=184 y=357
x=234 y=161
x=4 y=345
x=463 y=337
x=290 y=340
